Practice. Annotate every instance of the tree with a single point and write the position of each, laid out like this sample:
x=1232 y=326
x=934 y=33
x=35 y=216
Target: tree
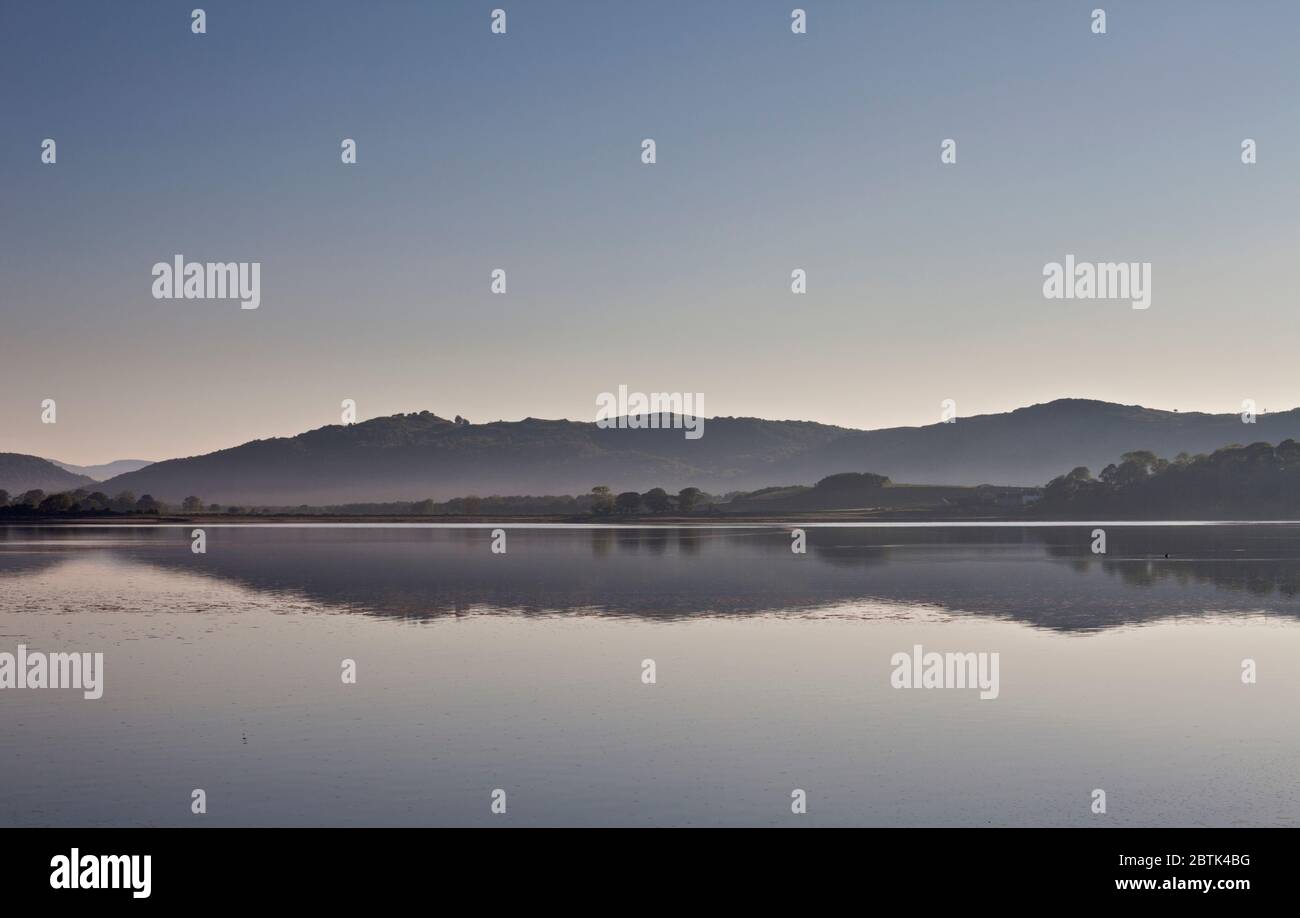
x=687 y=498
x=424 y=507
x=125 y=501
x=57 y=503
x=473 y=503
x=853 y=481
x=192 y=504
x=657 y=500
x=1136 y=466
x=602 y=500
x=32 y=498
x=4 y=498
x=1258 y=481
x=1288 y=453
x=95 y=501
x=627 y=502
x=1067 y=487
x=147 y=504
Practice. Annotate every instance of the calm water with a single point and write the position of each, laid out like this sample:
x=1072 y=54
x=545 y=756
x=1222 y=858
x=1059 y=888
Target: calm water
x=523 y=671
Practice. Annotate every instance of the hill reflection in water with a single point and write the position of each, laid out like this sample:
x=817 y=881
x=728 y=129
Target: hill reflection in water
x=1043 y=577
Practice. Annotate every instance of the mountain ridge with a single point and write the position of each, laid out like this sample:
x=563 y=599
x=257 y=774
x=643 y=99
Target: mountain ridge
x=104 y=470
x=418 y=455
x=20 y=472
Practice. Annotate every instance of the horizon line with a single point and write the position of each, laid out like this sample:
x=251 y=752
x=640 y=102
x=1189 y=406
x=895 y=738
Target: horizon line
x=726 y=417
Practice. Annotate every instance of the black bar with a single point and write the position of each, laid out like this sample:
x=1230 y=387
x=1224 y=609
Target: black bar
x=644 y=868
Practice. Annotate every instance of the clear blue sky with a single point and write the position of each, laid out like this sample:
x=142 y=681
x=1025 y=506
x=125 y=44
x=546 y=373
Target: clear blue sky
x=522 y=151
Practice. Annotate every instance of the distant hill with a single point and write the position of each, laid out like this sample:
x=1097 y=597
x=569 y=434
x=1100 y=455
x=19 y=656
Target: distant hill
x=20 y=473
x=414 y=456
x=1031 y=445
x=106 y=470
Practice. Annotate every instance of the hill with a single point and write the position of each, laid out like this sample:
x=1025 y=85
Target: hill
x=414 y=456
x=19 y=473
x=105 y=470
x=1030 y=445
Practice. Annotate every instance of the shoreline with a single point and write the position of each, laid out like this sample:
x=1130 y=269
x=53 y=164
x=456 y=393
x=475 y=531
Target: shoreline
x=823 y=518
x=703 y=520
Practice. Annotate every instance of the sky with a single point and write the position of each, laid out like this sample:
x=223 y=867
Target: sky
x=522 y=151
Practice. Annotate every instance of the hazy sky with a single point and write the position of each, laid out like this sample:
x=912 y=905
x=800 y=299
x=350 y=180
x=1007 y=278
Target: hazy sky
x=522 y=151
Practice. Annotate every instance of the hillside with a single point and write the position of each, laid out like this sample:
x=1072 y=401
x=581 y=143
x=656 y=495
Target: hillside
x=414 y=456
x=105 y=470
x=421 y=455
x=19 y=473
x=1029 y=446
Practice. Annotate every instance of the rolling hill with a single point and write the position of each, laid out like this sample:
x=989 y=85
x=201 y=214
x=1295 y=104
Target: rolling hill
x=106 y=470
x=413 y=456
x=20 y=473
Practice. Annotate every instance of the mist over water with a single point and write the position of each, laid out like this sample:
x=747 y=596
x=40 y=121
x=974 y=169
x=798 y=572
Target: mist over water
x=522 y=671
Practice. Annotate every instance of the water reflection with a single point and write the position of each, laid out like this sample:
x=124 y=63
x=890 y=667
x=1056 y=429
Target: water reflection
x=1043 y=577
x=523 y=671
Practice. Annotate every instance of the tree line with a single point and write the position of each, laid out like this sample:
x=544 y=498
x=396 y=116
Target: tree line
x=1257 y=481
x=605 y=502
x=82 y=501
x=601 y=501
